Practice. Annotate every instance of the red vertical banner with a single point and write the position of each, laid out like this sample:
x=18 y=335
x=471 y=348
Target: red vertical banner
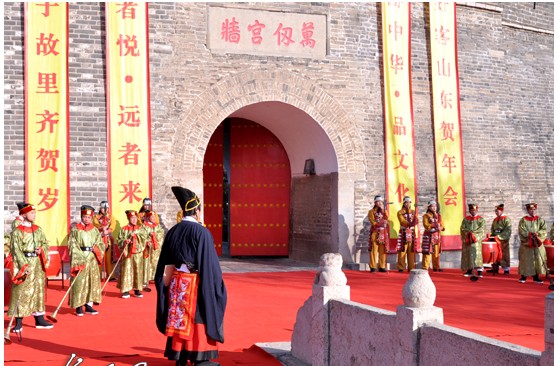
x=47 y=118
x=399 y=123
x=128 y=109
x=447 y=121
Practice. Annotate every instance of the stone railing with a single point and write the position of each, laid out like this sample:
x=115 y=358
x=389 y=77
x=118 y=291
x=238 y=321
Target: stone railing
x=332 y=330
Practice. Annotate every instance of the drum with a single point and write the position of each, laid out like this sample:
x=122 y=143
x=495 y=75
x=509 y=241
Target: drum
x=549 y=256
x=491 y=253
x=54 y=264
x=7 y=286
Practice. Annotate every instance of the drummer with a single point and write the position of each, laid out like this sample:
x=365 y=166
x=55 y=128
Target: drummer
x=472 y=233
x=501 y=230
x=532 y=256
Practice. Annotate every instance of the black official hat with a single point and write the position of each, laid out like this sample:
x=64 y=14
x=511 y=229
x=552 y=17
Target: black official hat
x=25 y=207
x=186 y=198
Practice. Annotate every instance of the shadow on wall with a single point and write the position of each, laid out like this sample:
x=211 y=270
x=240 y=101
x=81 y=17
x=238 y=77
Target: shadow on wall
x=361 y=248
x=344 y=248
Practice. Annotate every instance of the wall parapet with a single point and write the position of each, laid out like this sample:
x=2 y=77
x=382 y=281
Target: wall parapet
x=358 y=334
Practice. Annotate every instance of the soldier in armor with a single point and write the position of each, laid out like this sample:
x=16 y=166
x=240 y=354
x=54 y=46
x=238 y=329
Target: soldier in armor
x=532 y=256
x=147 y=206
x=105 y=223
x=29 y=248
x=379 y=235
x=407 y=236
x=472 y=233
x=131 y=243
x=501 y=230
x=431 y=238
x=86 y=255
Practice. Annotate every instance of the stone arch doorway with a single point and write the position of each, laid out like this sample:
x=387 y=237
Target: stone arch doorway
x=317 y=127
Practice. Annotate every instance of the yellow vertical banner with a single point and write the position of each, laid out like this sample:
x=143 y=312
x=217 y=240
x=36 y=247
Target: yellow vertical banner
x=399 y=123
x=447 y=121
x=47 y=119
x=128 y=108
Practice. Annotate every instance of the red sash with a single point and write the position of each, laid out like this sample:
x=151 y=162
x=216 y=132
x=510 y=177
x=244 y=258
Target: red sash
x=20 y=276
x=534 y=241
x=98 y=255
x=43 y=258
x=133 y=245
x=183 y=294
x=499 y=249
x=75 y=270
x=115 y=252
x=471 y=238
x=154 y=241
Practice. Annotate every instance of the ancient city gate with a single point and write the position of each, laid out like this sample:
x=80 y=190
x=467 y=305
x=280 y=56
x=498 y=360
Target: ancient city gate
x=247 y=190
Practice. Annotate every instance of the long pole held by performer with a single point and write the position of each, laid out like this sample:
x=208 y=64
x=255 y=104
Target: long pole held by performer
x=52 y=317
x=7 y=340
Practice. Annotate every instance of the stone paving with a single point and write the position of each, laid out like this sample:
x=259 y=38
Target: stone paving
x=264 y=264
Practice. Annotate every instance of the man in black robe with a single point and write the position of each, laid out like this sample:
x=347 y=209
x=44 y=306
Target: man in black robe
x=188 y=261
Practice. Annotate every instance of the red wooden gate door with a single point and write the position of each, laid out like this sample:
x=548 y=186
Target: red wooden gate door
x=259 y=192
x=213 y=188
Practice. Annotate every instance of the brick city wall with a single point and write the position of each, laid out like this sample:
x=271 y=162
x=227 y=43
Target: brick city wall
x=506 y=69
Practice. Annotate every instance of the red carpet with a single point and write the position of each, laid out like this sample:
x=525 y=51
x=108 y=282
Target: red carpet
x=262 y=308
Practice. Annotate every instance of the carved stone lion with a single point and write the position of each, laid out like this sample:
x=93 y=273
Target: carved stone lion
x=329 y=273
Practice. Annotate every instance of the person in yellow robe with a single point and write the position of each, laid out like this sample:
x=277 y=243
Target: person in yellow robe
x=472 y=233
x=532 y=256
x=154 y=235
x=407 y=236
x=379 y=235
x=86 y=255
x=431 y=238
x=29 y=248
x=131 y=243
x=106 y=224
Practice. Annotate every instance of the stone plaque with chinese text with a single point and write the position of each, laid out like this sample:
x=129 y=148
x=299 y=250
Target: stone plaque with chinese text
x=255 y=32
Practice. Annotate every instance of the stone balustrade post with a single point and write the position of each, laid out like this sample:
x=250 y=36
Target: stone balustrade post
x=419 y=294
x=310 y=340
x=547 y=357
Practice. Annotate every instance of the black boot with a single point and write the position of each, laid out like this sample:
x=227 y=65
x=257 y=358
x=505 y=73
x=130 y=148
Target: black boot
x=536 y=279
x=90 y=310
x=41 y=323
x=523 y=279
x=19 y=325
